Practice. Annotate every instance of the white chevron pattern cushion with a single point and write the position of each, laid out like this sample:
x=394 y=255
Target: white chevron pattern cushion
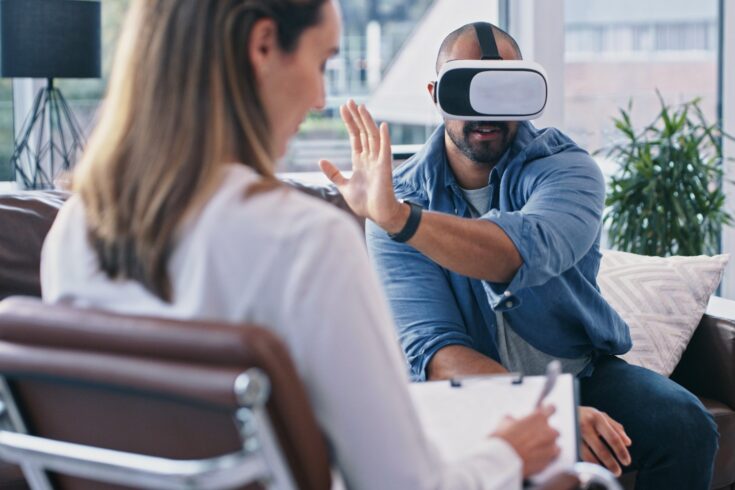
x=661 y=299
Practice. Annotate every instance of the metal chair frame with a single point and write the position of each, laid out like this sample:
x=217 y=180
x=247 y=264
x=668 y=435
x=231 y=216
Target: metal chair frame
x=259 y=460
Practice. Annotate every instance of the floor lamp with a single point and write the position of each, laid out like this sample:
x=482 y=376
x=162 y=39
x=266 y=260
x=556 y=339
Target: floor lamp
x=48 y=39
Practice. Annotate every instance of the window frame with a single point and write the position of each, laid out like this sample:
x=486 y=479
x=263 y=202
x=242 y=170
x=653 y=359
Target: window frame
x=726 y=109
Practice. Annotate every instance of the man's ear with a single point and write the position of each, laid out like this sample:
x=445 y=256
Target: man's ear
x=431 y=87
x=263 y=45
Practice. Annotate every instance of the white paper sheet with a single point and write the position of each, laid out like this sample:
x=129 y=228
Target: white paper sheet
x=457 y=419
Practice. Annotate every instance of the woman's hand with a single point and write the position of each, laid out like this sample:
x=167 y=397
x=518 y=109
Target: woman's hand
x=369 y=191
x=532 y=438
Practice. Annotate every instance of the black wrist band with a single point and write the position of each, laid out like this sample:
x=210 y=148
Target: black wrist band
x=412 y=224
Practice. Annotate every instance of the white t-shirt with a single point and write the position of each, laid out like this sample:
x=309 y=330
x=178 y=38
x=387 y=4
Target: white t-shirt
x=298 y=266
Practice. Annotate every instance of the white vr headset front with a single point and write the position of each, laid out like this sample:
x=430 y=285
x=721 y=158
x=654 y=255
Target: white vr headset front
x=491 y=89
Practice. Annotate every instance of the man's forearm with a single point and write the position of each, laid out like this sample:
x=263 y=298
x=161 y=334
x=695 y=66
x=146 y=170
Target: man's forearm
x=471 y=247
x=474 y=248
x=458 y=360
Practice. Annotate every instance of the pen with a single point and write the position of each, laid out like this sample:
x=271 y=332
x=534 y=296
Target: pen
x=553 y=370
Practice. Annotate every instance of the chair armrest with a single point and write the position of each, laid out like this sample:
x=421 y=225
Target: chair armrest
x=707 y=367
x=562 y=481
x=582 y=475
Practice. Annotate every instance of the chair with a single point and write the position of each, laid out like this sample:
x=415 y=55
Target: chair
x=99 y=400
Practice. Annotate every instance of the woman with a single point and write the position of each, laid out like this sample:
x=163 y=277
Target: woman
x=177 y=214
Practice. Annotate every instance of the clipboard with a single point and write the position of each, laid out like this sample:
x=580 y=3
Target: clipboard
x=458 y=415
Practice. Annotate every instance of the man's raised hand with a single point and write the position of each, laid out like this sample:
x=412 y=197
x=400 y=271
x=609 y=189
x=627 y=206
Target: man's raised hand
x=369 y=191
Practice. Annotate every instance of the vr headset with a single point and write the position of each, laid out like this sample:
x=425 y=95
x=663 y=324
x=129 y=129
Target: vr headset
x=491 y=89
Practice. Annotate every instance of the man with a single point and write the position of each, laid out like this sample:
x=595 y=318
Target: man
x=501 y=224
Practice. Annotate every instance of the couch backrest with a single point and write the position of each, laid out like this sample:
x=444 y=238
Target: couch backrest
x=26 y=217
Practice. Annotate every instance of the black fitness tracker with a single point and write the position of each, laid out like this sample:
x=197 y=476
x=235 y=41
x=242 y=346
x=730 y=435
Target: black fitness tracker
x=412 y=224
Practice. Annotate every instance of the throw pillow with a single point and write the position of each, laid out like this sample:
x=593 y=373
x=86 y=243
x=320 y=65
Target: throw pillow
x=661 y=299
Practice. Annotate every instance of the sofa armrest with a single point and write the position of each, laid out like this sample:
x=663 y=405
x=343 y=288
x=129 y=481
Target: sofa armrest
x=25 y=218
x=707 y=367
x=324 y=191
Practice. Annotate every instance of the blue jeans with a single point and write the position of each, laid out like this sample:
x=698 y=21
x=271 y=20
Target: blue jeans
x=674 y=437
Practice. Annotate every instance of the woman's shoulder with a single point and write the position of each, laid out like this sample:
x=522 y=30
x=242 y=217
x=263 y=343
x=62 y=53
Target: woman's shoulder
x=70 y=220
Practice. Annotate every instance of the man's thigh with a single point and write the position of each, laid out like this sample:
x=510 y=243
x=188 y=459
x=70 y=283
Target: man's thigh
x=663 y=419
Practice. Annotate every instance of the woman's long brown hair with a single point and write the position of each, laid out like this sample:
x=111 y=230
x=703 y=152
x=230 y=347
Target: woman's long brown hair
x=182 y=101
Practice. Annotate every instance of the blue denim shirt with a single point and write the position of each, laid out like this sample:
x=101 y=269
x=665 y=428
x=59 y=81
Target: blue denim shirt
x=548 y=197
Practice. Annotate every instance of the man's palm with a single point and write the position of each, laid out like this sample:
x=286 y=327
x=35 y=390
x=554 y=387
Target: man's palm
x=369 y=191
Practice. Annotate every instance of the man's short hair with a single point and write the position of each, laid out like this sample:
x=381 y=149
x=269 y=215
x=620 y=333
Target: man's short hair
x=469 y=29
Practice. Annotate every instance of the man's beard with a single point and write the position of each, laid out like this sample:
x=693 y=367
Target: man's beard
x=481 y=152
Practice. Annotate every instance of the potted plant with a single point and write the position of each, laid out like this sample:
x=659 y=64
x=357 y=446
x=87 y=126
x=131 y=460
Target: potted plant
x=666 y=198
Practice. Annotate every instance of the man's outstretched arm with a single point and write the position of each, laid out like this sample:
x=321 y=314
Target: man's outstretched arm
x=470 y=247
x=474 y=248
x=510 y=250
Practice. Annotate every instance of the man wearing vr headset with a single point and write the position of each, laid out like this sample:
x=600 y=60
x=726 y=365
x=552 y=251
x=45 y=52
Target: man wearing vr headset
x=490 y=256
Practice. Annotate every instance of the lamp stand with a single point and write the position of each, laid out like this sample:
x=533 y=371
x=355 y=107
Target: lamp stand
x=49 y=140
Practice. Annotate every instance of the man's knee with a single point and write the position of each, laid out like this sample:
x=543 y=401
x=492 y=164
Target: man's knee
x=688 y=427
x=703 y=424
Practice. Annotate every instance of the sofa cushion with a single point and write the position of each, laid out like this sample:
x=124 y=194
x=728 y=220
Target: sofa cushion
x=25 y=218
x=661 y=299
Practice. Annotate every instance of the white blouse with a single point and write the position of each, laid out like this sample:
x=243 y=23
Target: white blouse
x=298 y=266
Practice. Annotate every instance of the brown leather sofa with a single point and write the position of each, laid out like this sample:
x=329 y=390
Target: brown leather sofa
x=707 y=367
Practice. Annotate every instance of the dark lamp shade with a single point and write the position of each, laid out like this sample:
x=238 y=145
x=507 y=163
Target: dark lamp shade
x=50 y=38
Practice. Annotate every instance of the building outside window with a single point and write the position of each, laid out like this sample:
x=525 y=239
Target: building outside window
x=374 y=33
x=624 y=51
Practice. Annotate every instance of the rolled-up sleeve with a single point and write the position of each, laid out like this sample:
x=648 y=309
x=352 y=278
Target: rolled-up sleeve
x=425 y=311
x=556 y=226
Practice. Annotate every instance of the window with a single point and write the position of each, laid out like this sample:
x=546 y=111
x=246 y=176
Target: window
x=6 y=130
x=621 y=52
x=374 y=32
x=82 y=95
x=647 y=37
x=386 y=58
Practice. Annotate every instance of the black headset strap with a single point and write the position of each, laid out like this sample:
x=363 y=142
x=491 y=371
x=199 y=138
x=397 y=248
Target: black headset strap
x=486 y=38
